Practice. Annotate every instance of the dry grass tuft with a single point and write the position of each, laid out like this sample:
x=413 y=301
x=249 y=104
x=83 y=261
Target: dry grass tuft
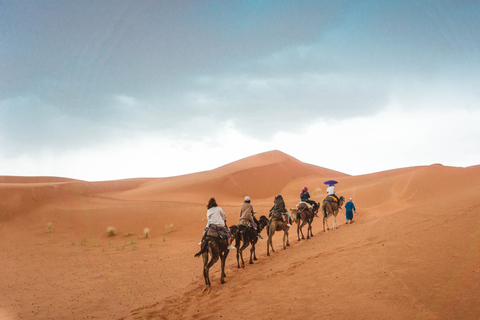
x=146 y=232
x=49 y=227
x=110 y=231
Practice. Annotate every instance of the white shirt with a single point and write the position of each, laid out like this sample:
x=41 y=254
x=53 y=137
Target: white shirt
x=331 y=190
x=216 y=216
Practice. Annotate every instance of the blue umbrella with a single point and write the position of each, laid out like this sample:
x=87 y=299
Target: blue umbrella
x=330 y=182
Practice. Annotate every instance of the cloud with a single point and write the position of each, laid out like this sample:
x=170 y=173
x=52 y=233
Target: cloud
x=79 y=77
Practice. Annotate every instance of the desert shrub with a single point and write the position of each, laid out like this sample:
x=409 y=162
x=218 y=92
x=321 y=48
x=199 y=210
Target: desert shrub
x=49 y=227
x=146 y=232
x=110 y=231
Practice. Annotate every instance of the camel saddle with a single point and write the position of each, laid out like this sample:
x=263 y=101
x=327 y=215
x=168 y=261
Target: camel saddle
x=244 y=224
x=278 y=216
x=302 y=204
x=330 y=199
x=217 y=231
x=242 y=228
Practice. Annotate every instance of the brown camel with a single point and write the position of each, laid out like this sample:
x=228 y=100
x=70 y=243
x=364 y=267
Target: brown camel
x=277 y=224
x=302 y=216
x=329 y=208
x=246 y=236
x=216 y=247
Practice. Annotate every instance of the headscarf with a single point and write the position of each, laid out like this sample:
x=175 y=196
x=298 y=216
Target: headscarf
x=304 y=190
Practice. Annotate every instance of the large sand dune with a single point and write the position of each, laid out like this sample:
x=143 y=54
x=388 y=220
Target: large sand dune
x=412 y=253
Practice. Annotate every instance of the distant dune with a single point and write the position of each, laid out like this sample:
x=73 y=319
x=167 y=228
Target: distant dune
x=412 y=253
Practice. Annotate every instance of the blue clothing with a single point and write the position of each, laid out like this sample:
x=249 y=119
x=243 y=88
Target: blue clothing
x=349 y=206
x=349 y=215
x=305 y=197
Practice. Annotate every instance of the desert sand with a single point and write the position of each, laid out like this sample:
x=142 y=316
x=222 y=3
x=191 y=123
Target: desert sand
x=413 y=251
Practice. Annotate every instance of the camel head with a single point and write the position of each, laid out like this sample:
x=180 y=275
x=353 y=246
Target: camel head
x=233 y=231
x=263 y=222
x=341 y=201
x=293 y=214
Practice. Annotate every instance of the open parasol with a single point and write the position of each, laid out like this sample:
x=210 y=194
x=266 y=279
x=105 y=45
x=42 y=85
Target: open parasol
x=330 y=182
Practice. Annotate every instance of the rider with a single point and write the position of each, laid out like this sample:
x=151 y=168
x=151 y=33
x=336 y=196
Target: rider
x=305 y=196
x=279 y=206
x=331 y=192
x=216 y=216
x=247 y=217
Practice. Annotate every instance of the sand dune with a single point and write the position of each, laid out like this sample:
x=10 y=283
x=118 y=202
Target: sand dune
x=412 y=253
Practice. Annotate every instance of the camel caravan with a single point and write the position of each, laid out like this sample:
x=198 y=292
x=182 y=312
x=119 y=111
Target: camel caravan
x=217 y=238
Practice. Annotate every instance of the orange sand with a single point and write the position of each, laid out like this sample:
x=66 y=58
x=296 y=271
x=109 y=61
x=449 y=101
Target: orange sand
x=412 y=253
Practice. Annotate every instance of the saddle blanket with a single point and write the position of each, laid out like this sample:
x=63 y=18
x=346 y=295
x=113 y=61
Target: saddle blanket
x=302 y=203
x=330 y=198
x=278 y=216
x=217 y=231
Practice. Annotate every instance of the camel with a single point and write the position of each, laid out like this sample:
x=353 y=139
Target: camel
x=216 y=247
x=302 y=216
x=329 y=208
x=246 y=236
x=277 y=224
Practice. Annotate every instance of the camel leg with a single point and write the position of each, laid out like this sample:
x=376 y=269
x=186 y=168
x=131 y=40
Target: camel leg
x=325 y=216
x=223 y=275
x=335 y=222
x=214 y=258
x=252 y=253
x=298 y=231
x=286 y=234
x=205 y=269
x=325 y=221
x=238 y=256
x=244 y=246
x=270 y=244
x=301 y=227
x=241 y=257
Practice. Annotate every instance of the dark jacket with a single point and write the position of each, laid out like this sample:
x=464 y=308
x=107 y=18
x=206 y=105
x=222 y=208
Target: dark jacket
x=278 y=205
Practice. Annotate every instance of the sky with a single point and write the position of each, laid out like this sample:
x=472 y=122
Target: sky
x=115 y=89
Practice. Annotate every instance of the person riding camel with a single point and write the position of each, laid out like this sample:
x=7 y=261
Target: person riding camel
x=216 y=216
x=279 y=207
x=247 y=216
x=331 y=192
x=305 y=197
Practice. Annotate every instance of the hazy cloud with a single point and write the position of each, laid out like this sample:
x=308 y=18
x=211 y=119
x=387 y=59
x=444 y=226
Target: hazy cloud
x=79 y=75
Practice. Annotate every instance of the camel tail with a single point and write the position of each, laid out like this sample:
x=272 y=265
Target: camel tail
x=202 y=250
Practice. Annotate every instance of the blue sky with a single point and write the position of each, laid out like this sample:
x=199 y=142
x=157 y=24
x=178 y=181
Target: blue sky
x=101 y=90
